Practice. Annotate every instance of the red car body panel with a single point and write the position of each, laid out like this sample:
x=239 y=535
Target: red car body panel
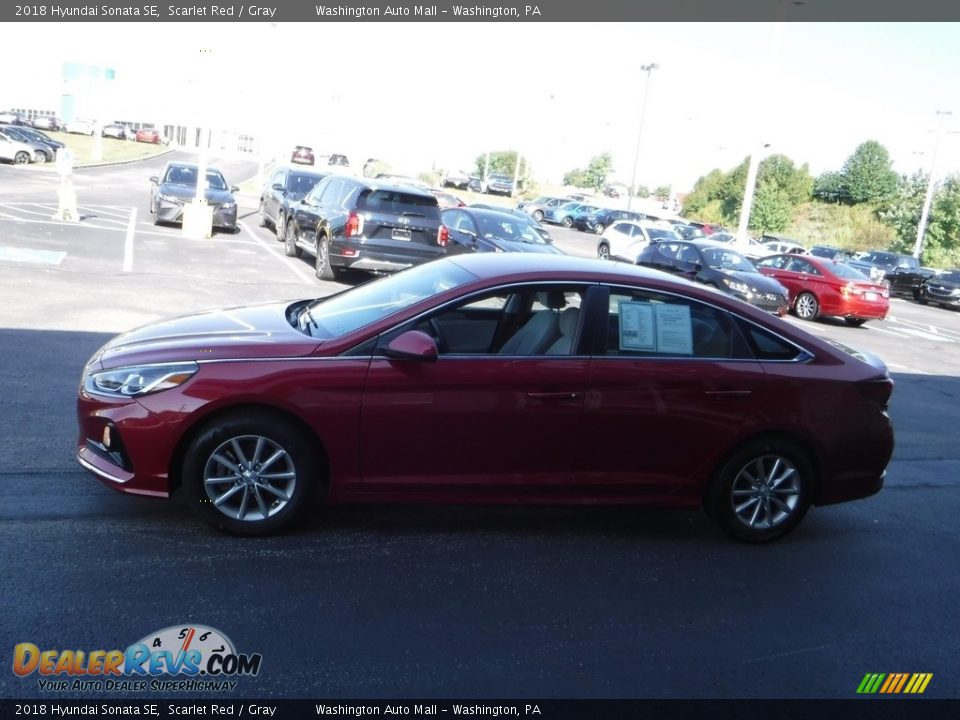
x=568 y=429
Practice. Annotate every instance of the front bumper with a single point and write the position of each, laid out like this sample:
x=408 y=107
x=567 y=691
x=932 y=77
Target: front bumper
x=171 y=211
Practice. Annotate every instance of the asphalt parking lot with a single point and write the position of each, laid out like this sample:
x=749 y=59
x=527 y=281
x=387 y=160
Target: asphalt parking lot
x=404 y=602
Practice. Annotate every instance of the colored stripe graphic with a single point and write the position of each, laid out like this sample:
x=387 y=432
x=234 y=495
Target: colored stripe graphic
x=894 y=683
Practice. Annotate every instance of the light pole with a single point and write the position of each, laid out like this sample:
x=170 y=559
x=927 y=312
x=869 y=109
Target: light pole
x=928 y=199
x=648 y=69
x=748 y=192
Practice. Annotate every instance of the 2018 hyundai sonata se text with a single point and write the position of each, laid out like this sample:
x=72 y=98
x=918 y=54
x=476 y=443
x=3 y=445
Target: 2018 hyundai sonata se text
x=495 y=377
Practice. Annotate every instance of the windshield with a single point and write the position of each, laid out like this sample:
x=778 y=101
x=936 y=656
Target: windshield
x=187 y=176
x=657 y=235
x=509 y=228
x=846 y=272
x=345 y=312
x=727 y=260
x=302 y=184
x=953 y=276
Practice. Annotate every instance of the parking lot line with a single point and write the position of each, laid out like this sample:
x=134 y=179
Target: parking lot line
x=275 y=254
x=128 y=241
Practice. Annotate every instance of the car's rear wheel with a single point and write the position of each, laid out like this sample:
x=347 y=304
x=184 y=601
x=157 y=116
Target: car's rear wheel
x=806 y=307
x=40 y=157
x=281 y=225
x=325 y=271
x=290 y=248
x=538 y=215
x=762 y=492
x=250 y=474
x=599 y=228
x=854 y=322
x=603 y=251
x=21 y=158
x=567 y=222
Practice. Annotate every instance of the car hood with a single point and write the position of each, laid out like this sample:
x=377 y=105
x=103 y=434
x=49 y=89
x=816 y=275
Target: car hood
x=755 y=281
x=186 y=192
x=250 y=331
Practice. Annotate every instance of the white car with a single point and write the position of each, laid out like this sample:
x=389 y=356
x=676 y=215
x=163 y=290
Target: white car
x=17 y=152
x=81 y=127
x=626 y=239
x=779 y=247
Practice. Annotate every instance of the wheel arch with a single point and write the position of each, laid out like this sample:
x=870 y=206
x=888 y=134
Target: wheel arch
x=247 y=409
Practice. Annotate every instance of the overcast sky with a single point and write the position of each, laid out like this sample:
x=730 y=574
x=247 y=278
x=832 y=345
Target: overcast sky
x=422 y=95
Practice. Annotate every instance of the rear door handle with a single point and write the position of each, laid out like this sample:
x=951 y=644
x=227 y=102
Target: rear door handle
x=720 y=394
x=553 y=395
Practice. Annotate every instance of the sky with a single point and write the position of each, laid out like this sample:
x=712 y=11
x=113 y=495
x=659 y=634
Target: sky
x=437 y=95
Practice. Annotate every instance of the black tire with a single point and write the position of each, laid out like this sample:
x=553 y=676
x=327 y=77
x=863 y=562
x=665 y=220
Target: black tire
x=806 y=306
x=40 y=157
x=854 y=322
x=290 y=248
x=922 y=300
x=21 y=158
x=599 y=228
x=762 y=491
x=213 y=467
x=261 y=215
x=567 y=222
x=538 y=215
x=281 y=227
x=603 y=251
x=325 y=271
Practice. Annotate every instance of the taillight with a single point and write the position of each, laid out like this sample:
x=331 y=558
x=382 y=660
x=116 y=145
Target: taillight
x=877 y=391
x=354 y=225
x=443 y=236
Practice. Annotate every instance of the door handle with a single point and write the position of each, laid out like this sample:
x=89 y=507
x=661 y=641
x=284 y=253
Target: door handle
x=553 y=395
x=719 y=394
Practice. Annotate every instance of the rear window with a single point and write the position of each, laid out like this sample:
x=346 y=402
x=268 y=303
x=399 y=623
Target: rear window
x=399 y=202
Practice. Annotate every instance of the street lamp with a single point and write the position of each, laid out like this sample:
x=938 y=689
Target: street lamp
x=928 y=199
x=648 y=69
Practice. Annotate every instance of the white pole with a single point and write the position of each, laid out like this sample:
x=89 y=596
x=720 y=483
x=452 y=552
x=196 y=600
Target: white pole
x=928 y=199
x=643 y=111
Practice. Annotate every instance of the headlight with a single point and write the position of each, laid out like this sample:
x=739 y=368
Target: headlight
x=168 y=198
x=228 y=205
x=139 y=379
x=740 y=287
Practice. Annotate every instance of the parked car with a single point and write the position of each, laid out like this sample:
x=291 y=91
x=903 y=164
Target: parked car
x=445 y=199
x=583 y=383
x=148 y=135
x=396 y=179
x=17 y=152
x=302 y=155
x=114 y=130
x=544 y=233
x=874 y=263
x=907 y=276
x=363 y=224
x=626 y=239
x=689 y=232
x=719 y=266
x=45 y=122
x=830 y=253
x=12 y=117
x=475 y=229
x=337 y=159
x=537 y=209
x=31 y=136
x=820 y=287
x=775 y=247
x=577 y=214
x=942 y=289
x=285 y=186
x=600 y=219
x=563 y=214
x=176 y=186
x=706 y=228
x=81 y=127
x=456 y=179
x=496 y=184
x=40 y=151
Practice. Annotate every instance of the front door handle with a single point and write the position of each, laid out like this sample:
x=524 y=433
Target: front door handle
x=720 y=394
x=553 y=395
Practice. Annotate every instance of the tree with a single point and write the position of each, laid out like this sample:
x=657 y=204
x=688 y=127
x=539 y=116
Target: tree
x=576 y=178
x=828 y=187
x=772 y=209
x=598 y=171
x=901 y=210
x=942 y=238
x=502 y=162
x=662 y=193
x=779 y=170
x=868 y=175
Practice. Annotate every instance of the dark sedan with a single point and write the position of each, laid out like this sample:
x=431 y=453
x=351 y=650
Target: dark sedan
x=475 y=229
x=942 y=289
x=602 y=218
x=285 y=186
x=719 y=266
x=177 y=187
x=492 y=377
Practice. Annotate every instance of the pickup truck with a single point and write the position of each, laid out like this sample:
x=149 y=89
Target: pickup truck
x=902 y=272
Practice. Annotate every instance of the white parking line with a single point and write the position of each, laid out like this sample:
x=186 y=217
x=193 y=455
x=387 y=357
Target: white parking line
x=128 y=241
x=276 y=254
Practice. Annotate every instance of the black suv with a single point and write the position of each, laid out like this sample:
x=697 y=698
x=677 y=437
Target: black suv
x=283 y=188
x=362 y=224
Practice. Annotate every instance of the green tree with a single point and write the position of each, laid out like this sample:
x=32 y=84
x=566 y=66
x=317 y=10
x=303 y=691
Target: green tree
x=662 y=193
x=502 y=162
x=779 y=171
x=941 y=244
x=598 y=170
x=901 y=210
x=772 y=208
x=576 y=178
x=868 y=175
x=828 y=187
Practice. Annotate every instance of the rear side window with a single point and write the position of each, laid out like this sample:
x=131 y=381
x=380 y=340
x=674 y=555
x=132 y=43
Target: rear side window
x=399 y=202
x=766 y=346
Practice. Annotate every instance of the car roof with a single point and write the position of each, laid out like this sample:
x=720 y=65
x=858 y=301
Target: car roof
x=489 y=265
x=192 y=166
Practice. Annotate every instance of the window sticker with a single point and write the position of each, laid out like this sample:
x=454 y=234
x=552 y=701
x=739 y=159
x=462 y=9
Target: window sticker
x=655 y=327
x=636 y=326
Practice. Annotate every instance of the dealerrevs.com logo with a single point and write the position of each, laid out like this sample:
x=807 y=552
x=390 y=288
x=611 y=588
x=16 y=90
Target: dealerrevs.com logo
x=200 y=658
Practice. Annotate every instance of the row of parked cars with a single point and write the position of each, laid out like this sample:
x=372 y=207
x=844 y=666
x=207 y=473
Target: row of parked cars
x=21 y=145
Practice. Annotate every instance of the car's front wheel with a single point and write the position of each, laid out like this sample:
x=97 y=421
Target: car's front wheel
x=325 y=270
x=806 y=307
x=250 y=474
x=762 y=492
x=21 y=158
x=599 y=228
x=538 y=215
x=290 y=248
x=280 y=226
x=567 y=222
x=262 y=215
x=603 y=251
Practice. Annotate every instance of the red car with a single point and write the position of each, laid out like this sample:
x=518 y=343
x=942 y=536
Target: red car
x=819 y=286
x=148 y=135
x=490 y=377
x=302 y=155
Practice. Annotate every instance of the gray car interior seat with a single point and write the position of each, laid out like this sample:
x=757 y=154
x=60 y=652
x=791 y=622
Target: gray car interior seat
x=541 y=330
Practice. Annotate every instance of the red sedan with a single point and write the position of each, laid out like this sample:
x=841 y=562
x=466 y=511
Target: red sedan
x=494 y=377
x=148 y=135
x=819 y=286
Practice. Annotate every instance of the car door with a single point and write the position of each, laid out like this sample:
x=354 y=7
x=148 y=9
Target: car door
x=487 y=417
x=273 y=198
x=672 y=383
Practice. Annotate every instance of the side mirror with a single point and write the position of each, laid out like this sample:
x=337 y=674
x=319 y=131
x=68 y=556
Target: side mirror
x=154 y=179
x=234 y=188
x=277 y=186
x=413 y=345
